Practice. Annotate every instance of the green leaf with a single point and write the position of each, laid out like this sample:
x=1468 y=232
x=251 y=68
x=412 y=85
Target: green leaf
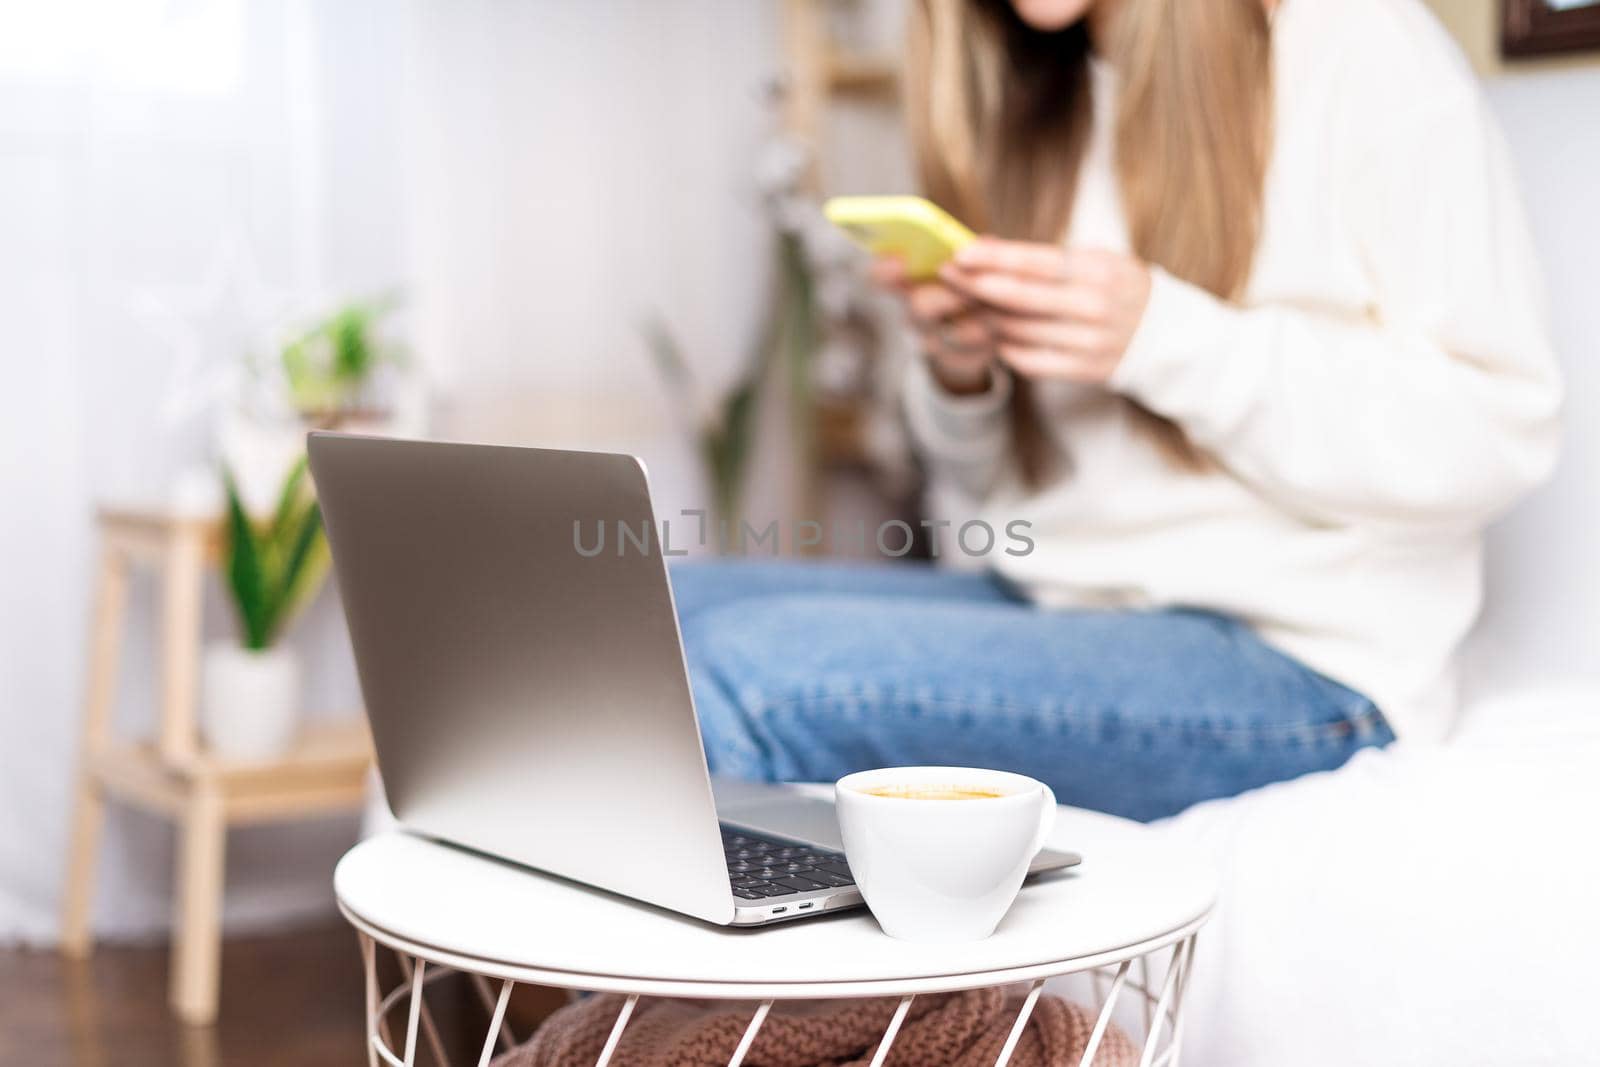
x=352 y=354
x=246 y=577
x=797 y=327
x=290 y=494
x=274 y=570
x=304 y=567
x=668 y=357
x=730 y=450
x=329 y=363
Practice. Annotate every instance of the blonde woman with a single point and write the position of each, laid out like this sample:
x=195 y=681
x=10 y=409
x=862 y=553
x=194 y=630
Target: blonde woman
x=1252 y=341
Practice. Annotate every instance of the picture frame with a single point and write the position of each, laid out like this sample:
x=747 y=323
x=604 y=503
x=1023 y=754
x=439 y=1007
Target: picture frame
x=1548 y=27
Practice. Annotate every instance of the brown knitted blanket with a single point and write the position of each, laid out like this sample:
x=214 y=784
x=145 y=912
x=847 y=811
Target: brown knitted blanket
x=946 y=1030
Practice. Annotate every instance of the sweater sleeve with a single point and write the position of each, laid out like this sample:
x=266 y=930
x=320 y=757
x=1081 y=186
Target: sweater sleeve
x=1438 y=406
x=962 y=439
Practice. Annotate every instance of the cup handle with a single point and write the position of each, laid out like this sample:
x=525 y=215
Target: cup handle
x=1047 y=819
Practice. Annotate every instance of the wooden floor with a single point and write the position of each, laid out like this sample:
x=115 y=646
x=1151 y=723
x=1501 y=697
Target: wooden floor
x=293 y=998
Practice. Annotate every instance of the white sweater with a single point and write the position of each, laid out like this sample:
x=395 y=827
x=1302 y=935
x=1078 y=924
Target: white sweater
x=1383 y=389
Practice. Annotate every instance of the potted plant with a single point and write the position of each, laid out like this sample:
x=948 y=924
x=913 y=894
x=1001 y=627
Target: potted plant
x=333 y=367
x=251 y=690
x=346 y=370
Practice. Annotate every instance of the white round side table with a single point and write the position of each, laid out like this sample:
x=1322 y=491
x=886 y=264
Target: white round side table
x=440 y=909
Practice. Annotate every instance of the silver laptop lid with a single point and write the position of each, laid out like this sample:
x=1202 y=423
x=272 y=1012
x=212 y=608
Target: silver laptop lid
x=526 y=699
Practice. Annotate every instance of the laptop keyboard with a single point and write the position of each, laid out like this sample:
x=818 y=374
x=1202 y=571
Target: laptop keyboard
x=761 y=867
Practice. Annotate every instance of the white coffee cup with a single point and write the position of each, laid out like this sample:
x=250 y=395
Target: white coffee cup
x=941 y=869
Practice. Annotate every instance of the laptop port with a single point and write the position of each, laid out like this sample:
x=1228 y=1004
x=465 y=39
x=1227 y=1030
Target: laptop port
x=779 y=911
x=801 y=907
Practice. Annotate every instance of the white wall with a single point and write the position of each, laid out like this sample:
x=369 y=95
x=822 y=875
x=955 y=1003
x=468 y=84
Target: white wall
x=1543 y=614
x=575 y=170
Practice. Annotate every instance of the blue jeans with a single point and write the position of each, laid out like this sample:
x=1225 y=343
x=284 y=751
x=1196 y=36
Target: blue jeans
x=806 y=672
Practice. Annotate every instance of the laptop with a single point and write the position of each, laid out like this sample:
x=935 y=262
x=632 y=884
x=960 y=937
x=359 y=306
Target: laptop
x=527 y=694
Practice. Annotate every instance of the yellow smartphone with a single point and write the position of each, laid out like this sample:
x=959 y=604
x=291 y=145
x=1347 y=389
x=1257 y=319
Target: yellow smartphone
x=918 y=231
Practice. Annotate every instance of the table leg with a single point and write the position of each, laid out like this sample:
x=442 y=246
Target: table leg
x=616 y=1030
x=1168 y=984
x=411 y=988
x=183 y=581
x=1144 y=987
x=750 y=1032
x=497 y=1022
x=369 y=964
x=88 y=807
x=1182 y=995
x=894 y=1028
x=88 y=817
x=429 y=1029
x=1104 y=1020
x=1022 y=1020
x=418 y=978
x=197 y=934
x=498 y=1025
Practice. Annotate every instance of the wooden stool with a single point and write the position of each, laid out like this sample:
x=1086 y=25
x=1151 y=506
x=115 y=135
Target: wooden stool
x=174 y=776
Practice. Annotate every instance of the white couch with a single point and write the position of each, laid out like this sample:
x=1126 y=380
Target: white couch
x=1442 y=905
x=1418 y=906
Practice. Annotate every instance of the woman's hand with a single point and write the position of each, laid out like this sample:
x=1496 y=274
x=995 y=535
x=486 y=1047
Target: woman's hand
x=958 y=346
x=1053 y=312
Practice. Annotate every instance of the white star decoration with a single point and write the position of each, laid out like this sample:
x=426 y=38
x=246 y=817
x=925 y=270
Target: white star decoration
x=214 y=330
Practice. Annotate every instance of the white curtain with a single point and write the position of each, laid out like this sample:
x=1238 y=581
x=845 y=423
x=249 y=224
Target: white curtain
x=174 y=178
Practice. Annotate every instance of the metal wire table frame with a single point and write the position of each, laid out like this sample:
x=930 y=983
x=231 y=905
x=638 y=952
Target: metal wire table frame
x=1158 y=993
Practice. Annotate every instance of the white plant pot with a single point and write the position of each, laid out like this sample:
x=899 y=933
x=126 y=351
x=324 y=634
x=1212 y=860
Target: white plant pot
x=249 y=701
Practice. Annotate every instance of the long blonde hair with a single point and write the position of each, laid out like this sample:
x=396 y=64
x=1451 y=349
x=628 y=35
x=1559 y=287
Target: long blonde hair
x=1000 y=115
